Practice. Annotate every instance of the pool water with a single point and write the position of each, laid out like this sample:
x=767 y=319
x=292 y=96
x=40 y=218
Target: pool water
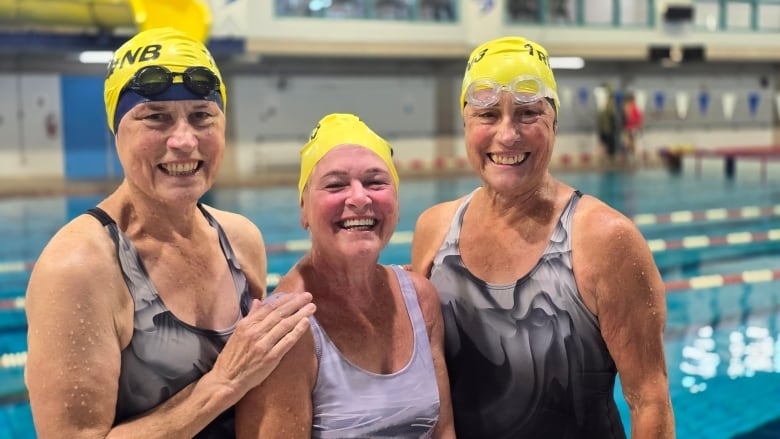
x=722 y=341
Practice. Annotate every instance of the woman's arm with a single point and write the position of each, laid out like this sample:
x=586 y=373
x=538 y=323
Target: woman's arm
x=80 y=318
x=429 y=233
x=428 y=299
x=77 y=323
x=281 y=406
x=629 y=300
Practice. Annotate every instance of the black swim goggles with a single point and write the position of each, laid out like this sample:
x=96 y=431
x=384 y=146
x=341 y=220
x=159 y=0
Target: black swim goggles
x=151 y=81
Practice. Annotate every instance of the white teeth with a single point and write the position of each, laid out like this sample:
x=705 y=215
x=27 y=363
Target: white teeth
x=508 y=160
x=180 y=168
x=362 y=222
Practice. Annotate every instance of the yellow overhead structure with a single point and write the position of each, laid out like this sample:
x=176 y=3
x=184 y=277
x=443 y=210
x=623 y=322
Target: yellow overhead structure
x=190 y=16
x=66 y=13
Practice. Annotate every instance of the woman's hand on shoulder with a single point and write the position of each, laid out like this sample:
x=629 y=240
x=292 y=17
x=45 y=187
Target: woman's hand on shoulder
x=261 y=339
x=281 y=404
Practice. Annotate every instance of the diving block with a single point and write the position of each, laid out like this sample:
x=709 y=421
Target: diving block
x=730 y=155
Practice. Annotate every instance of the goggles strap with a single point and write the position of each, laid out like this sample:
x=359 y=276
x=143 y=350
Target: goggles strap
x=176 y=92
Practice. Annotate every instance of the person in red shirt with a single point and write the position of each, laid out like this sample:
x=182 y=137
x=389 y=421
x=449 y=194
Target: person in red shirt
x=632 y=124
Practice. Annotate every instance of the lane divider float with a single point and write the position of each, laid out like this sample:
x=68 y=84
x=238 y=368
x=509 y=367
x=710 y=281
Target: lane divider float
x=719 y=280
x=709 y=215
x=703 y=241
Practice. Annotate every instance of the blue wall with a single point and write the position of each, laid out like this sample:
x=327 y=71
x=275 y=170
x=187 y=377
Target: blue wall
x=88 y=145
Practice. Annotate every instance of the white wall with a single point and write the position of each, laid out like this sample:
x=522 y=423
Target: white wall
x=31 y=126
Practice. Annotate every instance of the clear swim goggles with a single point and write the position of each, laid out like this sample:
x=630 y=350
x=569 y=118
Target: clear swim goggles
x=525 y=89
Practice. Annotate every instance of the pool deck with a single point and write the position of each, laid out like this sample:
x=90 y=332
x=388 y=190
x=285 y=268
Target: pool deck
x=54 y=186
x=35 y=187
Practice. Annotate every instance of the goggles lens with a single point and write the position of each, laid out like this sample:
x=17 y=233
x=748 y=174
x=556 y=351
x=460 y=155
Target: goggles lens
x=153 y=80
x=524 y=89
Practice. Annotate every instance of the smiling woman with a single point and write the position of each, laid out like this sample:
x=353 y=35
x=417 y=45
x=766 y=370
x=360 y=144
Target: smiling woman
x=543 y=289
x=373 y=363
x=156 y=294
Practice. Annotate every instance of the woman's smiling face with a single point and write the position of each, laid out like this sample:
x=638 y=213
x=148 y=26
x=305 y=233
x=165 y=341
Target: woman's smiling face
x=510 y=144
x=350 y=204
x=172 y=150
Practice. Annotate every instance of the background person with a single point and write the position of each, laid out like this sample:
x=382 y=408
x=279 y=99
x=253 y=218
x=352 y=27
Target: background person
x=607 y=124
x=633 y=119
x=135 y=309
x=546 y=293
x=373 y=364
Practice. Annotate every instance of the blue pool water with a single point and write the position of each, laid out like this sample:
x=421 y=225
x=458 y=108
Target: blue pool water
x=722 y=342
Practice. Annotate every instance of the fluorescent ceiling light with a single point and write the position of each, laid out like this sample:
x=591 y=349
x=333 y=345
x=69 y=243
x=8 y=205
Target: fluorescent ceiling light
x=96 y=56
x=566 y=62
x=561 y=63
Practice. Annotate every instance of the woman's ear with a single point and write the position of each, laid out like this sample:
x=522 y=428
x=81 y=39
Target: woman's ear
x=304 y=221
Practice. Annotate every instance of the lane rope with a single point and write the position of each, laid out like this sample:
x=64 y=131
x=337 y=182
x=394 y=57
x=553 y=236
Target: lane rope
x=709 y=215
x=19 y=359
x=718 y=280
x=693 y=283
x=405 y=238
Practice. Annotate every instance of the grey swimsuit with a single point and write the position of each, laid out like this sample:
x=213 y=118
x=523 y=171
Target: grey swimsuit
x=525 y=359
x=166 y=354
x=350 y=402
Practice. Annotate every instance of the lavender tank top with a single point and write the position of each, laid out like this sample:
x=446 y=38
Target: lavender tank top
x=350 y=402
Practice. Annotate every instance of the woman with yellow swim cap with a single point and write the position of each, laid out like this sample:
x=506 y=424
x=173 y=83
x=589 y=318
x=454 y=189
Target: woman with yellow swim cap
x=373 y=363
x=144 y=313
x=547 y=294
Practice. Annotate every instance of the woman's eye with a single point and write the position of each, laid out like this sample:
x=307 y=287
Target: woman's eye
x=200 y=118
x=529 y=115
x=155 y=116
x=487 y=115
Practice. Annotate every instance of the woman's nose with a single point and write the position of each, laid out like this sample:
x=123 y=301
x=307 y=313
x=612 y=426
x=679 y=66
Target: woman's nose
x=358 y=195
x=183 y=137
x=508 y=131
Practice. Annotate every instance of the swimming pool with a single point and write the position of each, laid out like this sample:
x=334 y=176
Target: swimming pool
x=716 y=242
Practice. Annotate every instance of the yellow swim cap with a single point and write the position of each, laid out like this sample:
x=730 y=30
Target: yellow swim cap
x=166 y=47
x=341 y=129
x=504 y=59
